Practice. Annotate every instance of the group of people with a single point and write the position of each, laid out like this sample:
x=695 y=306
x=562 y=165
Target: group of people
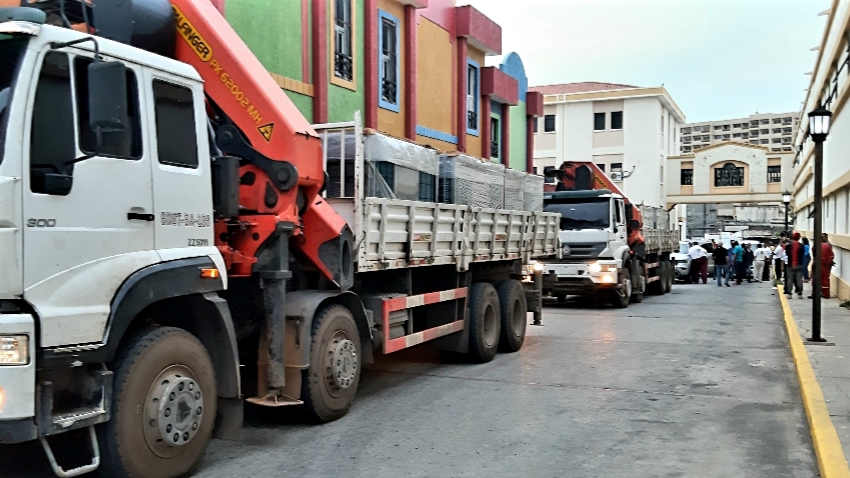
x=794 y=257
x=790 y=259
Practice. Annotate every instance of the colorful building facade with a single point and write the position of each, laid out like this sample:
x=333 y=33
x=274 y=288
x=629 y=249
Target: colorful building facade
x=414 y=68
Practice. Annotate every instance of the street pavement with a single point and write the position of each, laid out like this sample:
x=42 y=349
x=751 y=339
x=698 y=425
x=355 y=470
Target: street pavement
x=696 y=383
x=830 y=361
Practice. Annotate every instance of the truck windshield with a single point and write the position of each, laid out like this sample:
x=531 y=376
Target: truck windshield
x=587 y=214
x=11 y=52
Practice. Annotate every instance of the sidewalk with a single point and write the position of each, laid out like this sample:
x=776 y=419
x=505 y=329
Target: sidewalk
x=831 y=364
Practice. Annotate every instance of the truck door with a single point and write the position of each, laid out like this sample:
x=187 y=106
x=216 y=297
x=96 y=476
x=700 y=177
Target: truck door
x=620 y=220
x=88 y=224
x=180 y=163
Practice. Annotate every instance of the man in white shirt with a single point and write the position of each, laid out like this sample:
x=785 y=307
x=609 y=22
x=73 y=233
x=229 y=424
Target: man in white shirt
x=759 y=256
x=699 y=263
x=780 y=260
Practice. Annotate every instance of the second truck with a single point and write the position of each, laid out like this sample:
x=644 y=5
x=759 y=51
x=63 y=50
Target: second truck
x=611 y=249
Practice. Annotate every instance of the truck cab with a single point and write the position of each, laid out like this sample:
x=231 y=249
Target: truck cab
x=594 y=244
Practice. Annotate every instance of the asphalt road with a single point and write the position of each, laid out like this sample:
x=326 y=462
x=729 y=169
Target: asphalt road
x=695 y=383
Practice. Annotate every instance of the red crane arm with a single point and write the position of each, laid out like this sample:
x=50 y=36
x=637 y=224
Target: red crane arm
x=243 y=90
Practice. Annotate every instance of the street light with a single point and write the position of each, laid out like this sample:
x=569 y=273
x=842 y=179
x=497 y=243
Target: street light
x=786 y=200
x=819 y=122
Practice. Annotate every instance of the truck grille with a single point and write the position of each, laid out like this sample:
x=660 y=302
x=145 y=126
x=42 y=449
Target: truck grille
x=582 y=251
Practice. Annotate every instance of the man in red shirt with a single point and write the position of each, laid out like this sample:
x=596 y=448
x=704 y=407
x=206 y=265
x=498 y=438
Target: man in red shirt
x=827 y=260
x=794 y=276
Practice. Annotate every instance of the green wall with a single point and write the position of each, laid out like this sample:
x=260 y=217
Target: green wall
x=272 y=29
x=342 y=102
x=304 y=103
x=518 y=146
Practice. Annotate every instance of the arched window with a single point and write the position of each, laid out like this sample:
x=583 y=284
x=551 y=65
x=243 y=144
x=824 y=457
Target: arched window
x=729 y=175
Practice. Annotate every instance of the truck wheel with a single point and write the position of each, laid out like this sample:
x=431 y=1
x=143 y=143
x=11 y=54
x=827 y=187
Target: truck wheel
x=329 y=385
x=513 y=310
x=484 y=322
x=163 y=406
x=638 y=286
x=622 y=301
x=668 y=277
x=657 y=287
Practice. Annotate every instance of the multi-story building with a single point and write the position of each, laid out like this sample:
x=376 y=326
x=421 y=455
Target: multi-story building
x=829 y=88
x=773 y=131
x=626 y=130
x=414 y=68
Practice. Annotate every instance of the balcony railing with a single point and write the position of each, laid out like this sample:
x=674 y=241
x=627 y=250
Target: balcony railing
x=389 y=91
x=494 y=149
x=343 y=67
x=472 y=120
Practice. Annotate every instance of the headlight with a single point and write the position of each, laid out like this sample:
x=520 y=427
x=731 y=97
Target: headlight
x=595 y=268
x=607 y=278
x=539 y=266
x=14 y=350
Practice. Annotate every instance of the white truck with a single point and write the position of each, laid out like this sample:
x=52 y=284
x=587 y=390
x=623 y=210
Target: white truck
x=611 y=249
x=163 y=258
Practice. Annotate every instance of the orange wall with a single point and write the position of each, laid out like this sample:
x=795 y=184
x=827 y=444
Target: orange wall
x=435 y=80
x=441 y=146
x=390 y=122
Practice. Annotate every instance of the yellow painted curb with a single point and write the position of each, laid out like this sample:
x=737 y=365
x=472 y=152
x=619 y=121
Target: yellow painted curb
x=831 y=460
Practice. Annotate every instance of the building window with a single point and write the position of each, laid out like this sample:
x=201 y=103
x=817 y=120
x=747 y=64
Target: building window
x=387 y=171
x=616 y=120
x=765 y=141
x=687 y=177
x=686 y=149
x=705 y=137
x=717 y=127
x=786 y=149
x=786 y=130
x=745 y=135
x=725 y=127
x=777 y=130
x=495 y=135
x=717 y=136
x=736 y=125
x=662 y=124
x=745 y=126
x=686 y=130
x=765 y=121
x=786 y=140
x=786 y=120
x=598 y=121
x=725 y=136
x=754 y=123
x=534 y=124
x=601 y=167
x=388 y=28
x=343 y=58
x=736 y=135
x=472 y=96
x=776 y=140
x=729 y=176
x=776 y=150
x=754 y=141
x=765 y=131
x=427 y=187
x=549 y=124
x=777 y=120
x=774 y=174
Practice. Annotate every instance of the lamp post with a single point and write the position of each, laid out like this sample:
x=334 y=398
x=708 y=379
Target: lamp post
x=819 y=120
x=786 y=200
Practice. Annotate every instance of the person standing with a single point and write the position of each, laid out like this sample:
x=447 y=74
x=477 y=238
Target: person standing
x=827 y=260
x=721 y=264
x=699 y=263
x=779 y=260
x=760 y=255
x=794 y=252
x=738 y=254
x=731 y=261
x=749 y=257
x=807 y=259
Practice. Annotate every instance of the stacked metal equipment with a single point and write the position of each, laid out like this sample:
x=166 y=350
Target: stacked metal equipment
x=533 y=193
x=515 y=190
x=655 y=217
x=470 y=181
x=394 y=168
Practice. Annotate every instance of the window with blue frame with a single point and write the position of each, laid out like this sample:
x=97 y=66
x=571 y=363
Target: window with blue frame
x=472 y=95
x=388 y=33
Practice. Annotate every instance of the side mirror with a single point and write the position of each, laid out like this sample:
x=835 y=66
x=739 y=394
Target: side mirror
x=634 y=224
x=108 y=96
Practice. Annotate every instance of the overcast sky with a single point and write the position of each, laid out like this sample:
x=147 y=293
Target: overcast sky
x=719 y=59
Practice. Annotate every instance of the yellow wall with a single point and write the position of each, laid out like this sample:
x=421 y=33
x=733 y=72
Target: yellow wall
x=390 y=122
x=473 y=143
x=434 y=82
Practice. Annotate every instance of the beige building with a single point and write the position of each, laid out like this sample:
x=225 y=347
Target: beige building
x=626 y=130
x=773 y=131
x=730 y=173
x=829 y=87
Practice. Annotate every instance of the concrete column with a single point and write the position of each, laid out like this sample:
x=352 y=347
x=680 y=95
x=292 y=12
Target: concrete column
x=506 y=135
x=484 y=122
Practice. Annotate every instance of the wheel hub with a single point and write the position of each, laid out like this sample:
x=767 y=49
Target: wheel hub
x=344 y=367
x=174 y=411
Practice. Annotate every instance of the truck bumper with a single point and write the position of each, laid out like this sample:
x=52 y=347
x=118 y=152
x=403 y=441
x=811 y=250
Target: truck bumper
x=580 y=279
x=17 y=384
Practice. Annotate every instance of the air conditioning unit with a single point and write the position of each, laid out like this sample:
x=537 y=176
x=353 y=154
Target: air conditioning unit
x=617 y=176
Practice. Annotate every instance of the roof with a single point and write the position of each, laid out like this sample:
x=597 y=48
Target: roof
x=581 y=87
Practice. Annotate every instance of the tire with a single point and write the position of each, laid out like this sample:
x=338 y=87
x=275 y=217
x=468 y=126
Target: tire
x=639 y=286
x=668 y=277
x=157 y=366
x=484 y=322
x=514 y=313
x=657 y=287
x=621 y=302
x=329 y=385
